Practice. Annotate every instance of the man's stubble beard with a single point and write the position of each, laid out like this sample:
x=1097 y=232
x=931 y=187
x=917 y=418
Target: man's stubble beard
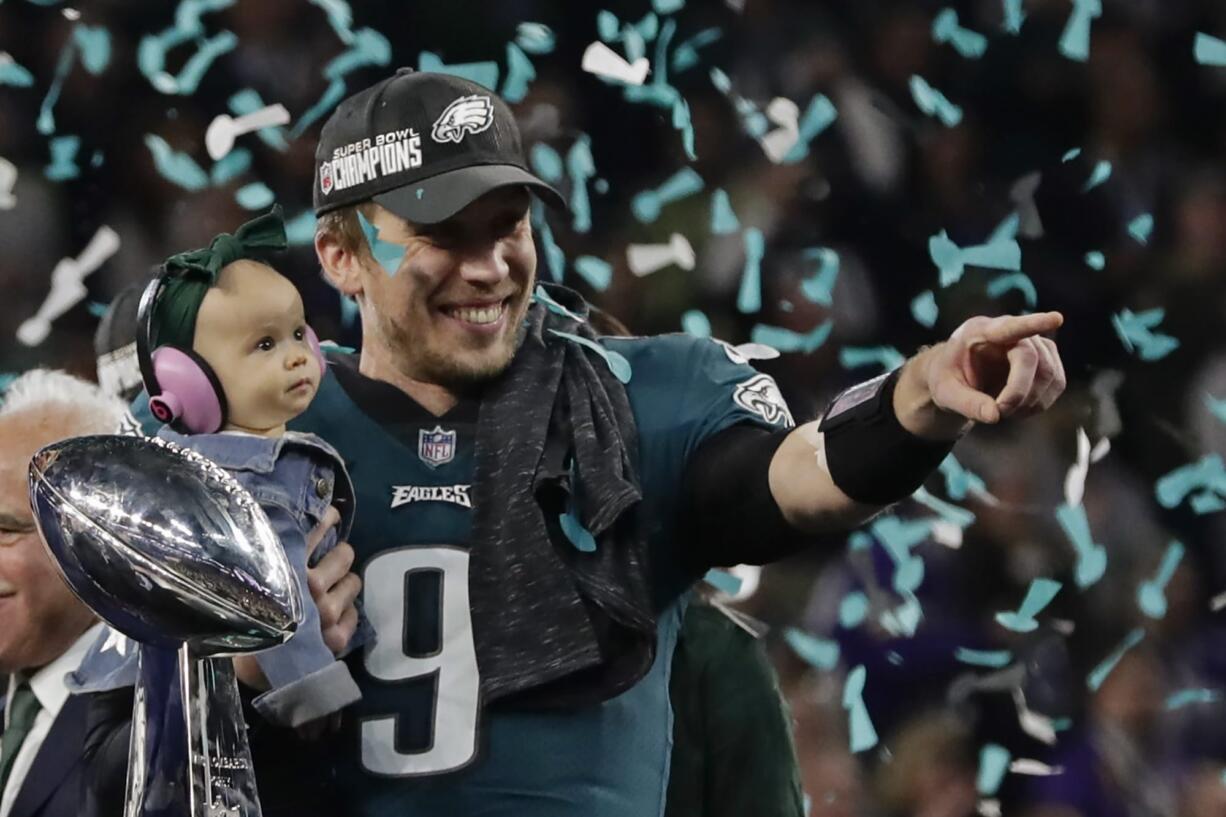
x=433 y=365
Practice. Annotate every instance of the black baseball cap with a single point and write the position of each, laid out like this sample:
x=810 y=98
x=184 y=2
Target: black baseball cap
x=423 y=145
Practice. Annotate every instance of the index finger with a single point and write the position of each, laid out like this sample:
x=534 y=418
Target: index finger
x=330 y=518
x=1010 y=329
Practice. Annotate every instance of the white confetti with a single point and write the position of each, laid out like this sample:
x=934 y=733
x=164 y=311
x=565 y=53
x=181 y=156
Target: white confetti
x=778 y=143
x=1075 y=480
x=67 y=287
x=224 y=129
x=1037 y=726
x=645 y=259
x=1024 y=765
x=8 y=180
x=603 y=61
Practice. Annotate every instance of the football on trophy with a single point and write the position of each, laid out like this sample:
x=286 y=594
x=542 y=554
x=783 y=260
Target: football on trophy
x=163 y=544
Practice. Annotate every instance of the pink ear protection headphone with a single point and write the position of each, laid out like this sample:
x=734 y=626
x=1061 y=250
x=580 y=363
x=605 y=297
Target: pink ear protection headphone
x=183 y=389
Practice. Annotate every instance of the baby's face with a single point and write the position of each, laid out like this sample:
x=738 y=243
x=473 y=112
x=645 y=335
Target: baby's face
x=251 y=329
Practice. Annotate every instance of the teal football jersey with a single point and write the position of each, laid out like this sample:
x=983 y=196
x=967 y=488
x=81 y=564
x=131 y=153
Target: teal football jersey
x=417 y=743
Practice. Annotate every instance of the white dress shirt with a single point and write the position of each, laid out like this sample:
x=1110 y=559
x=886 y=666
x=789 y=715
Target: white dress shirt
x=48 y=686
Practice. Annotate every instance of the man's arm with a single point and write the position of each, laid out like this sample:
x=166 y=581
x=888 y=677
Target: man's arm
x=753 y=496
x=940 y=393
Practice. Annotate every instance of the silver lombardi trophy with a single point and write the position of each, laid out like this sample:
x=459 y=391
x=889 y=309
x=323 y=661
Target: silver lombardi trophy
x=171 y=551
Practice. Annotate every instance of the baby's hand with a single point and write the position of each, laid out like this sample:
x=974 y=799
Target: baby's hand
x=333 y=587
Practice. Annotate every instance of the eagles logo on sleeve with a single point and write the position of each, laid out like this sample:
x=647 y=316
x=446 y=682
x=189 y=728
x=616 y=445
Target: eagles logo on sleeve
x=760 y=395
x=468 y=114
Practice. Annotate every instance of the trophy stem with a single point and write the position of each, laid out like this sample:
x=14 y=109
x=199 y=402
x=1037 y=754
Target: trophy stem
x=221 y=778
x=157 y=754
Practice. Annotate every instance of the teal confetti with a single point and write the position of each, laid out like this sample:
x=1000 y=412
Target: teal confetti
x=616 y=362
x=340 y=17
x=188 y=28
x=97 y=159
x=1141 y=227
x=367 y=48
x=97 y=310
x=994 y=659
x=95 y=45
x=1014 y=16
x=578 y=535
x=1136 y=333
x=634 y=42
x=1096 y=260
x=1207 y=473
x=853 y=609
x=254 y=196
x=723 y=581
x=785 y=340
x=12 y=73
x=951 y=260
x=903 y=621
x=749 y=298
x=860 y=725
x=300 y=231
x=608 y=27
x=786 y=306
x=388 y=255
x=954 y=514
x=230 y=167
x=817 y=652
x=683 y=123
x=535 y=38
x=1102 y=172
x=898 y=536
x=1206 y=502
x=695 y=322
x=721 y=81
x=546 y=162
x=1100 y=673
x=248 y=101
x=596 y=271
x=933 y=102
x=174 y=166
x=1188 y=697
x=1018 y=281
x=483 y=73
x=819 y=287
x=859 y=541
x=581 y=167
x=647 y=204
x=723 y=220
x=63 y=159
x=1210 y=51
x=993 y=763
x=959 y=482
x=1217 y=407
x=555 y=259
x=667 y=6
x=1038 y=596
x=1075 y=41
x=520 y=74
x=894 y=657
x=542 y=296
x=924 y=309
x=1091 y=556
x=1071 y=155
x=1151 y=594
x=819 y=115
x=1007 y=229
x=649 y=27
x=685 y=56
x=945 y=29
x=887 y=357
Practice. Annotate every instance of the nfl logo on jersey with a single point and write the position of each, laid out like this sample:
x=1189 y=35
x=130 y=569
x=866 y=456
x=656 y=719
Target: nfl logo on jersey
x=436 y=447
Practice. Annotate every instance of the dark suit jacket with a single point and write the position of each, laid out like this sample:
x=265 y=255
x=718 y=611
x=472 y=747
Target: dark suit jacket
x=53 y=786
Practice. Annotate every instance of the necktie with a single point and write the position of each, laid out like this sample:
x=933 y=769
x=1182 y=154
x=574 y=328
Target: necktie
x=22 y=710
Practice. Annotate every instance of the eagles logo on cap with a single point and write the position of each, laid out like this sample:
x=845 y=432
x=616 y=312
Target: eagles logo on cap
x=468 y=114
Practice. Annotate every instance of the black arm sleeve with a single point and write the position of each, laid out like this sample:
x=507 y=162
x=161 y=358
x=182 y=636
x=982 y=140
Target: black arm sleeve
x=729 y=515
x=105 y=753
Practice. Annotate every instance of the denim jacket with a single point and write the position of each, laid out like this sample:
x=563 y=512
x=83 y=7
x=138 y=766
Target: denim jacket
x=294 y=478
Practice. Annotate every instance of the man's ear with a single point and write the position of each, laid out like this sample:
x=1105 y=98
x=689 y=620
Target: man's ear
x=341 y=266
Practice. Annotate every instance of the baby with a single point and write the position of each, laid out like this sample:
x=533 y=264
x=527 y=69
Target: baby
x=232 y=362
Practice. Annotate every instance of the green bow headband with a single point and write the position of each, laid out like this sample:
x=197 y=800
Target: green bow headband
x=190 y=275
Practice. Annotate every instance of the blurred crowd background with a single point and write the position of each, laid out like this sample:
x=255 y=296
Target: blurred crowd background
x=968 y=714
